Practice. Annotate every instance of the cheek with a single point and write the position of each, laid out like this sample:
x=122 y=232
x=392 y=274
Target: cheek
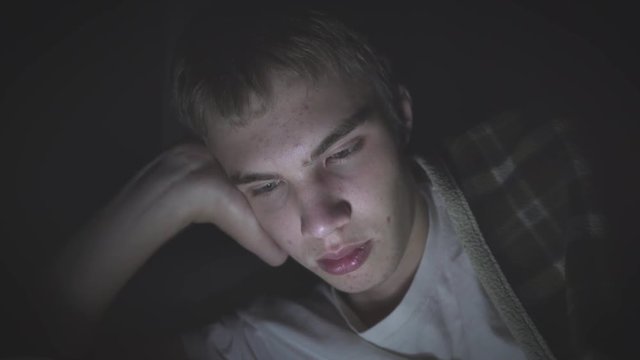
x=382 y=195
x=283 y=227
x=378 y=182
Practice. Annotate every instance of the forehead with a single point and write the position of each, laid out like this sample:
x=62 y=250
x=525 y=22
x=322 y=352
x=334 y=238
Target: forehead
x=300 y=114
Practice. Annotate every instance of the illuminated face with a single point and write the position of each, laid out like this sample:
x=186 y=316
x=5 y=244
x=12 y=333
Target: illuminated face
x=326 y=181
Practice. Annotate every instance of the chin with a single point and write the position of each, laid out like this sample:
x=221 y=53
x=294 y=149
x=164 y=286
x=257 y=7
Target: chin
x=356 y=283
x=351 y=288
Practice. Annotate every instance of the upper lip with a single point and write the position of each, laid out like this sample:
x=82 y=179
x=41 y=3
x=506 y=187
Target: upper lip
x=342 y=252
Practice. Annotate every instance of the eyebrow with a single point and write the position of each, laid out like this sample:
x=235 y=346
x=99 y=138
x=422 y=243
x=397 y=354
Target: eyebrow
x=345 y=127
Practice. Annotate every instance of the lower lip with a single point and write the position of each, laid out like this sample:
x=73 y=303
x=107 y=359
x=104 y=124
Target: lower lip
x=348 y=263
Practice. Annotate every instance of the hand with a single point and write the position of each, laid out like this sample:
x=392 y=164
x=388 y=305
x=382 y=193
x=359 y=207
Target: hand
x=183 y=185
x=202 y=190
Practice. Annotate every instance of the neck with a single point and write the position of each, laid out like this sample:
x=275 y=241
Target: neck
x=375 y=304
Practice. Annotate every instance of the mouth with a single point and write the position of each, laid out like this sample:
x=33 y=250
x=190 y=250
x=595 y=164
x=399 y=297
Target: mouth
x=345 y=260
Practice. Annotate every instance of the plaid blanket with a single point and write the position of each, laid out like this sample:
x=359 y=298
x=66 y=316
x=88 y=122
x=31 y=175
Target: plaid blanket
x=519 y=195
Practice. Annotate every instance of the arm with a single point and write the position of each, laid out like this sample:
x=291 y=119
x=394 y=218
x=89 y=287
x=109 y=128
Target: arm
x=182 y=186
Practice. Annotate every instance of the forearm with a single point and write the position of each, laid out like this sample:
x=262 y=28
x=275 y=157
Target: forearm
x=92 y=268
x=182 y=186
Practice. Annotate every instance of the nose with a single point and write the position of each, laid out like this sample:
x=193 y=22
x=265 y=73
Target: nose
x=322 y=214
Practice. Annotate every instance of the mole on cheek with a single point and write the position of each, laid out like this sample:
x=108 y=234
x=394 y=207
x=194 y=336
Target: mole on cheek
x=388 y=219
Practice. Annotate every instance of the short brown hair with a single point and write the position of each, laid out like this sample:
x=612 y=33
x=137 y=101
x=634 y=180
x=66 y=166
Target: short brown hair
x=223 y=64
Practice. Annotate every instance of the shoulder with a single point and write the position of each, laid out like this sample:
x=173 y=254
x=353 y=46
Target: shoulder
x=530 y=188
x=513 y=140
x=524 y=169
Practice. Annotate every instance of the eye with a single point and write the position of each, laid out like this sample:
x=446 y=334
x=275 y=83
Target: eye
x=343 y=154
x=266 y=188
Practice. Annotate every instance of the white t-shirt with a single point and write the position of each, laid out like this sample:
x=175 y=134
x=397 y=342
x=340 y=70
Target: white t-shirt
x=445 y=314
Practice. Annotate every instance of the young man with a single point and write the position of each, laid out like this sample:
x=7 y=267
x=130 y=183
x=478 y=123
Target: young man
x=306 y=156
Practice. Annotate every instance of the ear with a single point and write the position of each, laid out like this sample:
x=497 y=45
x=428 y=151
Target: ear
x=406 y=112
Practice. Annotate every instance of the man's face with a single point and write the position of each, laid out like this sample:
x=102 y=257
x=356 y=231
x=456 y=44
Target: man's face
x=325 y=180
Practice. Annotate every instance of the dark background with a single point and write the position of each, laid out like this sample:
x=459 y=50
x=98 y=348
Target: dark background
x=84 y=105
